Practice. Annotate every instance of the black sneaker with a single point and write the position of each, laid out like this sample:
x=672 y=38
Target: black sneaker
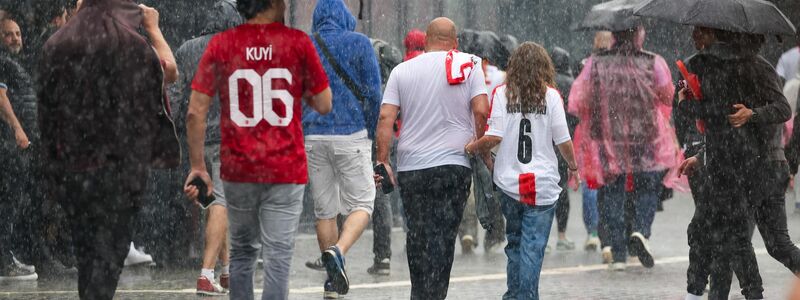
x=334 y=265
x=316 y=264
x=14 y=272
x=380 y=268
x=638 y=246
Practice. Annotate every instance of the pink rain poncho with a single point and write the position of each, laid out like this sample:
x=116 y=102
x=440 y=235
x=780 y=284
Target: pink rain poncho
x=623 y=98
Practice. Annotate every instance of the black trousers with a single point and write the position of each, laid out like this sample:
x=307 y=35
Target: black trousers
x=382 y=227
x=767 y=203
x=719 y=237
x=701 y=264
x=100 y=206
x=433 y=202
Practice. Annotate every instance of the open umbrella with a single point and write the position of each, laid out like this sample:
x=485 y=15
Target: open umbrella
x=614 y=15
x=749 y=16
x=485 y=44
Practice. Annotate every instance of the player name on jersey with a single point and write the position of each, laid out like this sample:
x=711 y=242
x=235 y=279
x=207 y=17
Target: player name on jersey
x=259 y=53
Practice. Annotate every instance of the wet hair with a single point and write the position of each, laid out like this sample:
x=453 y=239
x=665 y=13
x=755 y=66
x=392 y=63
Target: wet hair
x=530 y=72
x=250 y=8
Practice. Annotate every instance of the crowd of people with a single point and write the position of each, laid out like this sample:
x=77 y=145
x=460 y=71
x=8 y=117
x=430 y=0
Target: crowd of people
x=261 y=115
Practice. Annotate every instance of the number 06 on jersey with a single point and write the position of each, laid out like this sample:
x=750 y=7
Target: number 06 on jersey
x=263 y=95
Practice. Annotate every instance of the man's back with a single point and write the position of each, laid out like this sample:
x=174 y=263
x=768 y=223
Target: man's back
x=437 y=118
x=260 y=72
x=101 y=89
x=355 y=56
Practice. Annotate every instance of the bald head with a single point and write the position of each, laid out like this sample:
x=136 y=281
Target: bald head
x=441 y=35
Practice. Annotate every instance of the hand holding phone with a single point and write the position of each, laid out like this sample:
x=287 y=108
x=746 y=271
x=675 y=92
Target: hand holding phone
x=386 y=184
x=203 y=198
x=196 y=188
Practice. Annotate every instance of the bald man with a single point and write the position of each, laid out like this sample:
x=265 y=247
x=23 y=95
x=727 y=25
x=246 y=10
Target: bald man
x=433 y=170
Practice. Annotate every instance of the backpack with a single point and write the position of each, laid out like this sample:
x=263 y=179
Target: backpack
x=388 y=58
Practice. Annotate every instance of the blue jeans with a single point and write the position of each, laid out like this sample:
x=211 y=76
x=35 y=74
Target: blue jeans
x=263 y=218
x=591 y=215
x=527 y=231
x=611 y=201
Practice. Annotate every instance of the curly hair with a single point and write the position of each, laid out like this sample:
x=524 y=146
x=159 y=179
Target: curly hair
x=530 y=73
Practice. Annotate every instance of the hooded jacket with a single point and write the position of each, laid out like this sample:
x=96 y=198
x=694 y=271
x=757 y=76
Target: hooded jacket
x=354 y=53
x=223 y=17
x=734 y=75
x=101 y=95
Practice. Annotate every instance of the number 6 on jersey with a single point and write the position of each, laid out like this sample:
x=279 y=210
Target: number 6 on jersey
x=525 y=146
x=262 y=97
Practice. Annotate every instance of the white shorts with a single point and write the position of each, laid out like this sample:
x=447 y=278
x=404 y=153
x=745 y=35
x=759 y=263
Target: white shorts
x=212 y=160
x=340 y=174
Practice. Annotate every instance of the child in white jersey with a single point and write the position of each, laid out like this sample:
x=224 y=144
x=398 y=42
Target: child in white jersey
x=527 y=117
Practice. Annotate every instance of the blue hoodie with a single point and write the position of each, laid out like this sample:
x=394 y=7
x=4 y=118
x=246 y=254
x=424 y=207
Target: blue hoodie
x=353 y=52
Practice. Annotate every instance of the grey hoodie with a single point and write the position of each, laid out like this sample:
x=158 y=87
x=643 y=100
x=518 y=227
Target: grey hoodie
x=223 y=17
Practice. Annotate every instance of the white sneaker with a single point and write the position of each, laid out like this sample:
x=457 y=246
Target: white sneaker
x=608 y=257
x=23 y=266
x=592 y=243
x=136 y=258
x=617 y=266
x=690 y=296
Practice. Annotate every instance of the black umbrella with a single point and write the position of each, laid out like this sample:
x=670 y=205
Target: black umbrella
x=614 y=15
x=749 y=16
x=485 y=44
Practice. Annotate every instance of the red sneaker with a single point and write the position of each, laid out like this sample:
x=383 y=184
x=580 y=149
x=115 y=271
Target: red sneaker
x=208 y=287
x=224 y=281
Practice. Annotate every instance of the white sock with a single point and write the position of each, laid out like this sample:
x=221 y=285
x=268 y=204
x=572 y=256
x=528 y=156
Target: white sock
x=690 y=296
x=226 y=269
x=208 y=273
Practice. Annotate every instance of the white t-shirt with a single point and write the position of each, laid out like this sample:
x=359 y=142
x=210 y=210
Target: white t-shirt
x=437 y=117
x=526 y=151
x=494 y=78
x=787 y=65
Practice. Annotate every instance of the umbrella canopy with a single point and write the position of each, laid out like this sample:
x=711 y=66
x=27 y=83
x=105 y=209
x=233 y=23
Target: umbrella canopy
x=749 y=16
x=614 y=15
x=485 y=44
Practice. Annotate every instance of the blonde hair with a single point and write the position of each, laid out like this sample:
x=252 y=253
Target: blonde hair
x=530 y=72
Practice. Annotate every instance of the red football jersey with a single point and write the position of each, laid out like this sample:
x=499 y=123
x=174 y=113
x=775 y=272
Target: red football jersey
x=260 y=72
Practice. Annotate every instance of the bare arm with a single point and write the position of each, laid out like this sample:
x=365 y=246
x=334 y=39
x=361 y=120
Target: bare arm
x=150 y=24
x=383 y=134
x=480 y=111
x=569 y=155
x=196 y=136
x=322 y=102
x=484 y=145
x=7 y=114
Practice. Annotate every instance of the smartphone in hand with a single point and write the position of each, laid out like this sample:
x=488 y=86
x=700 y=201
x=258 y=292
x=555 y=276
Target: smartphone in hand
x=386 y=184
x=204 y=199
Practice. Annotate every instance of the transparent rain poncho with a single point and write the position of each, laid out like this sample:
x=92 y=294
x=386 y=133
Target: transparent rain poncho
x=623 y=98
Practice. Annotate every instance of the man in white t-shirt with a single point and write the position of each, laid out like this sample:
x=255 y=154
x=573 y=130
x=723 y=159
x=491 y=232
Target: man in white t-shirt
x=439 y=119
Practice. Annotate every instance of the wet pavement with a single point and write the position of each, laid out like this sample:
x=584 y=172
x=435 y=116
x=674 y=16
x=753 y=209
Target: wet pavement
x=575 y=274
